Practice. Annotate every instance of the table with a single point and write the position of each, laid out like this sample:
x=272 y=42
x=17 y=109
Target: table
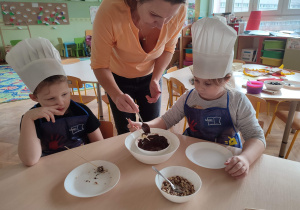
x=66 y=44
x=272 y=183
x=184 y=75
x=83 y=71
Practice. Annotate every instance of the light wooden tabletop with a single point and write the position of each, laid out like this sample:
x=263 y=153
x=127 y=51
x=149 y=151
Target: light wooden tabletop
x=272 y=183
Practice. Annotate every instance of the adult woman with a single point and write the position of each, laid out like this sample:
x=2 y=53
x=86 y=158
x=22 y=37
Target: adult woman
x=133 y=42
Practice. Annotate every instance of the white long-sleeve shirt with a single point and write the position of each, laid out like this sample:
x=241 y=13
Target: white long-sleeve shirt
x=241 y=111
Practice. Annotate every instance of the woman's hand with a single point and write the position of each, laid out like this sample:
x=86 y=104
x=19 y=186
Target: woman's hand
x=155 y=91
x=126 y=104
x=43 y=112
x=237 y=167
x=133 y=126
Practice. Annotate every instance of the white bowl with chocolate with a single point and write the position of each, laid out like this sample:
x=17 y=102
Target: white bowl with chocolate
x=152 y=143
x=152 y=158
x=188 y=180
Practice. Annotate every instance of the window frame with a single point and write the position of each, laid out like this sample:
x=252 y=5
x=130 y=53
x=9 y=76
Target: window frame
x=282 y=10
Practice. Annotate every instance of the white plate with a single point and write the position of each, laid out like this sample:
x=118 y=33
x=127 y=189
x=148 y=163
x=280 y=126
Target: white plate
x=294 y=85
x=81 y=181
x=208 y=155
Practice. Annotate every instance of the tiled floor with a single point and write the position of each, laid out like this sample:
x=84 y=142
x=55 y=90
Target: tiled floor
x=11 y=113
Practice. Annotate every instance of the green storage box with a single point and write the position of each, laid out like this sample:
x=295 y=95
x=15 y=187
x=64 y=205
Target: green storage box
x=272 y=54
x=274 y=45
x=189 y=50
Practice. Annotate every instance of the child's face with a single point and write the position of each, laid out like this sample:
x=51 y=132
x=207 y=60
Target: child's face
x=207 y=89
x=57 y=94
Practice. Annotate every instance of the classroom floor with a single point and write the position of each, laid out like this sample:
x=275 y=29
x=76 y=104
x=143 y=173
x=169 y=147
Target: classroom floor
x=11 y=114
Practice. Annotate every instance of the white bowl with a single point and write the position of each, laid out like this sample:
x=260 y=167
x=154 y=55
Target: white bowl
x=184 y=172
x=152 y=159
x=147 y=152
x=273 y=87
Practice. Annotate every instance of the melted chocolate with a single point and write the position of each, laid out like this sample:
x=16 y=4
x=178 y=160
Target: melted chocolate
x=153 y=142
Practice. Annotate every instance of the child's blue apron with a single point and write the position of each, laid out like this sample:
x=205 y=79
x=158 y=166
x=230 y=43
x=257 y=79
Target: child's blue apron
x=66 y=131
x=212 y=124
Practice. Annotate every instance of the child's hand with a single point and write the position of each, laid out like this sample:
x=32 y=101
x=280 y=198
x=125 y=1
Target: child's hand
x=237 y=167
x=43 y=112
x=133 y=126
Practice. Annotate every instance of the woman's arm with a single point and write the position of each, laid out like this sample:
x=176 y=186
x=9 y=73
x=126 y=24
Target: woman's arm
x=161 y=64
x=96 y=135
x=123 y=101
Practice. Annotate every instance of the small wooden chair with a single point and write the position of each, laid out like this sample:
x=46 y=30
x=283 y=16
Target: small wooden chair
x=176 y=94
x=75 y=82
x=176 y=86
x=105 y=99
x=107 y=129
x=62 y=49
x=239 y=61
x=283 y=115
x=259 y=104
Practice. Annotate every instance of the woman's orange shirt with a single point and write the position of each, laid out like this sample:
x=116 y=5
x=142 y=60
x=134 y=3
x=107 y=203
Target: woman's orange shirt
x=116 y=45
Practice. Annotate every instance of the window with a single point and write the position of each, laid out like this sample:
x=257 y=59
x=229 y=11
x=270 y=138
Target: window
x=294 y=4
x=272 y=8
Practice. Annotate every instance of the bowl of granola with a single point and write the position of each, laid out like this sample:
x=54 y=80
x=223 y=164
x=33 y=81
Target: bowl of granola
x=189 y=181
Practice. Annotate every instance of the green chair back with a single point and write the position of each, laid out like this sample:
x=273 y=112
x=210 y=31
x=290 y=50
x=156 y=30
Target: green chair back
x=14 y=42
x=79 y=46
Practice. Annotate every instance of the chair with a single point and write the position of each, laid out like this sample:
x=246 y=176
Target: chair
x=62 y=48
x=105 y=99
x=238 y=61
x=88 y=32
x=176 y=94
x=283 y=115
x=79 y=42
x=75 y=82
x=259 y=104
x=14 y=42
x=107 y=129
x=176 y=86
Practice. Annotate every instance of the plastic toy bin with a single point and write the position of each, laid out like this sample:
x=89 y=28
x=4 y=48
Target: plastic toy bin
x=272 y=54
x=271 y=61
x=274 y=45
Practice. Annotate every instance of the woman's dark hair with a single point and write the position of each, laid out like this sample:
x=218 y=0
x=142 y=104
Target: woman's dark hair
x=132 y=3
x=49 y=81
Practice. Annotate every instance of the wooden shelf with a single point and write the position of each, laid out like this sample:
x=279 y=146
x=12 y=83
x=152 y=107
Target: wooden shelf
x=184 y=41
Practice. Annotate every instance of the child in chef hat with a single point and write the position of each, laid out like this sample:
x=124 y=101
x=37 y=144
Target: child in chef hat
x=55 y=121
x=215 y=112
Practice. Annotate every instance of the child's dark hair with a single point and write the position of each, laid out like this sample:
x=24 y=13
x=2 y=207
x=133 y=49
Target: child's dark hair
x=49 y=81
x=133 y=3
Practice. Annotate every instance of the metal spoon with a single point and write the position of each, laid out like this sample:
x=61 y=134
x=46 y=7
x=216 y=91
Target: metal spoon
x=174 y=186
x=145 y=126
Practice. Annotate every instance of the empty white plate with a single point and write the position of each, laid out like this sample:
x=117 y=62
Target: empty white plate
x=208 y=155
x=83 y=181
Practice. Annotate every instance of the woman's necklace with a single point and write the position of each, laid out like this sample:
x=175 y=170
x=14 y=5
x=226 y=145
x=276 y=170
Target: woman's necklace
x=144 y=38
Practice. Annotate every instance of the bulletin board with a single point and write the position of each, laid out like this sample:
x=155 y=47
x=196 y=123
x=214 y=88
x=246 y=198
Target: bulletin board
x=34 y=13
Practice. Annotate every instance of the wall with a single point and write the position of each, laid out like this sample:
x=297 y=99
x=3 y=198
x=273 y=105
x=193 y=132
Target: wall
x=79 y=15
x=204 y=4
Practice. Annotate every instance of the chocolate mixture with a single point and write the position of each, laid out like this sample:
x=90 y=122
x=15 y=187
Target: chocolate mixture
x=153 y=142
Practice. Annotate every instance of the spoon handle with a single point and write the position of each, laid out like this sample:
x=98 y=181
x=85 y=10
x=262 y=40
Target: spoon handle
x=157 y=171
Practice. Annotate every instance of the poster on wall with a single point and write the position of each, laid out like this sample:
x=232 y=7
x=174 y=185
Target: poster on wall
x=93 y=11
x=34 y=13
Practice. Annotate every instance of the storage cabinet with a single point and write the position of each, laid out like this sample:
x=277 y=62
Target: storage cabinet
x=257 y=42
x=184 y=41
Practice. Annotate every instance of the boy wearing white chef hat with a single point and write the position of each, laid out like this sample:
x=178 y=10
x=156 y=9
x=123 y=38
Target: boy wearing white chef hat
x=215 y=112
x=55 y=121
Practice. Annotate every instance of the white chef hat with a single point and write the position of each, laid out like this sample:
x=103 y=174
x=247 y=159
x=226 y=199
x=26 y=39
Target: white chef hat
x=213 y=43
x=34 y=60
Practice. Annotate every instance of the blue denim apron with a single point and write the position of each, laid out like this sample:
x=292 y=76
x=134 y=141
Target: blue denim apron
x=211 y=124
x=66 y=131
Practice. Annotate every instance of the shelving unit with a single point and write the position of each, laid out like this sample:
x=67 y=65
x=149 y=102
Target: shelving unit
x=184 y=41
x=256 y=42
